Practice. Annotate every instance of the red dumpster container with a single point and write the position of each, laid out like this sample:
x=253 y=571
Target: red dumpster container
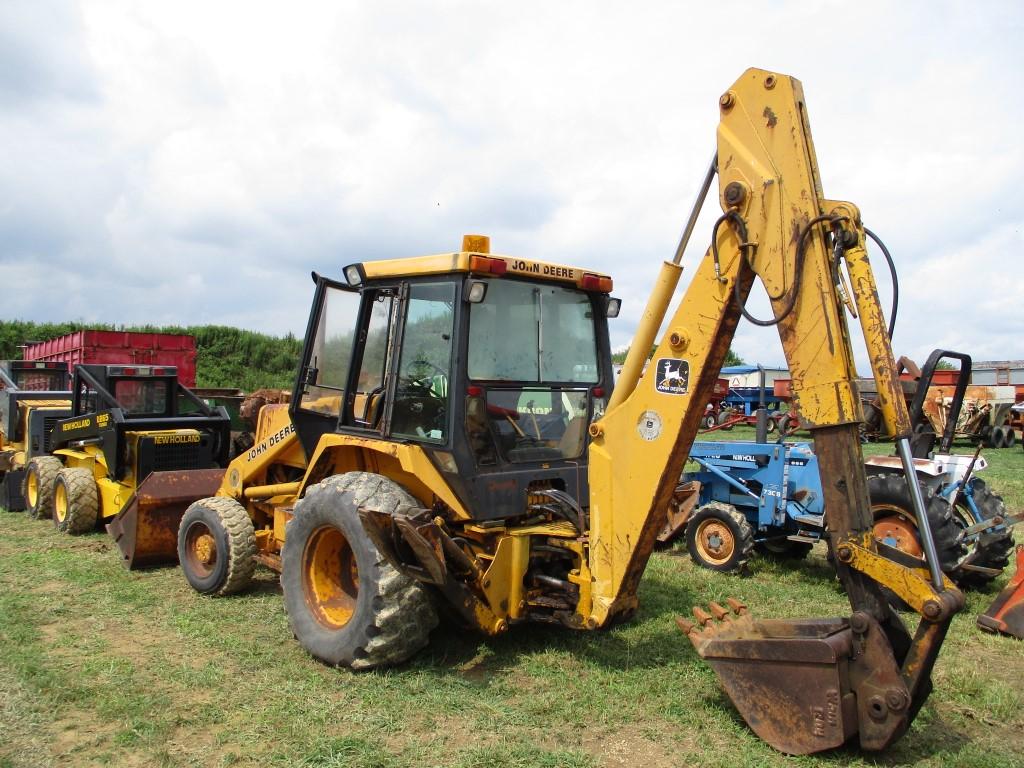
x=112 y=347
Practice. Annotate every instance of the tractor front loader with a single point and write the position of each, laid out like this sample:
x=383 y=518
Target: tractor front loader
x=34 y=395
x=454 y=438
x=116 y=459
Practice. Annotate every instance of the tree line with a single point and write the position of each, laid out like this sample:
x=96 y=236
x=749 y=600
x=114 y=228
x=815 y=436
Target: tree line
x=225 y=357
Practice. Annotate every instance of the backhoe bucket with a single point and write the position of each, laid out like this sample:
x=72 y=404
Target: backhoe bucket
x=1006 y=614
x=146 y=528
x=805 y=685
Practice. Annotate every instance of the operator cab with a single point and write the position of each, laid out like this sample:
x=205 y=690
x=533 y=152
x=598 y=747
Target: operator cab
x=495 y=366
x=34 y=376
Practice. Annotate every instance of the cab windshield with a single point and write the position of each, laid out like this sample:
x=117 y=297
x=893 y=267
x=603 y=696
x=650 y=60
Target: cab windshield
x=534 y=349
x=531 y=333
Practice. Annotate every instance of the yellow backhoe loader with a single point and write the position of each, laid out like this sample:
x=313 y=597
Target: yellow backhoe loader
x=454 y=437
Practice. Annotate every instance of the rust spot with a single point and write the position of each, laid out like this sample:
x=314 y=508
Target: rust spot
x=770 y=117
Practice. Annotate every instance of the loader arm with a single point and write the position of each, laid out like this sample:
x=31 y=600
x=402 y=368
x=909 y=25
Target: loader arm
x=777 y=227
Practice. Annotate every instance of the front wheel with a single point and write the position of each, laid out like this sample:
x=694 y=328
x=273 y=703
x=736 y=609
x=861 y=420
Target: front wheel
x=76 y=503
x=719 y=538
x=217 y=546
x=346 y=604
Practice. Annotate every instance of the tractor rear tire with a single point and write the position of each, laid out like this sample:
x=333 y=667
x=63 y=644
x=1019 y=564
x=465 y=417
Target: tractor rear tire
x=992 y=550
x=718 y=537
x=996 y=438
x=346 y=604
x=1010 y=439
x=217 y=546
x=896 y=524
x=76 y=503
x=40 y=475
x=785 y=549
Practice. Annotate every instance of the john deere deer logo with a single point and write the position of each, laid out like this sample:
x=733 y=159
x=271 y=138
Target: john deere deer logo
x=673 y=376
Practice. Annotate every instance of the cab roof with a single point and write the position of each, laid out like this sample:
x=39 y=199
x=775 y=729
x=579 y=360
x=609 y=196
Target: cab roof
x=475 y=257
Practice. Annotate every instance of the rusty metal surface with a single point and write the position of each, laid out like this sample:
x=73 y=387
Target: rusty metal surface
x=146 y=529
x=805 y=685
x=788 y=679
x=1006 y=614
x=684 y=500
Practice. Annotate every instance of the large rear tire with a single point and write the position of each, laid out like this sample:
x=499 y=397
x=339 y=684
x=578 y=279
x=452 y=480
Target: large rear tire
x=40 y=474
x=896 y=524
x=76 y=503
x=992 y=549
x=346 y=604
x=217 y=546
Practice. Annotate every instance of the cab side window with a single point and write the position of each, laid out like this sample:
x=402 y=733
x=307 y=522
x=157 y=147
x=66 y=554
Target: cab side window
x=423 y=391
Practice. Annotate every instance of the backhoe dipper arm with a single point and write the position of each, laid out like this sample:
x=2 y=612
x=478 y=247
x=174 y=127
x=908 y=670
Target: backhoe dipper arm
x=778 y=227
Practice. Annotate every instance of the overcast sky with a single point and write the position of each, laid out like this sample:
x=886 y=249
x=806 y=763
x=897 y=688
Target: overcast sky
x=191 y=162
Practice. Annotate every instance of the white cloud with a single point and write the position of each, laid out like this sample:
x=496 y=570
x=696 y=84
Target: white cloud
x=211 y=154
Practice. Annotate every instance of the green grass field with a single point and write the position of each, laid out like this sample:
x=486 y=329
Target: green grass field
x=99 y=666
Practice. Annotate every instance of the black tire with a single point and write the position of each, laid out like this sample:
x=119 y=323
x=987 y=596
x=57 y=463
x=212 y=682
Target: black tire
x=76 y=501
x=992 y=549
x=719 y=538
x=40 y=474
x=771 y=425
x=217 y=546
x=784 y=549
x=361 y=613
x=996 y=437
x=896 y=524
x=725 y=416
x=709 y=421
x=1010 y=439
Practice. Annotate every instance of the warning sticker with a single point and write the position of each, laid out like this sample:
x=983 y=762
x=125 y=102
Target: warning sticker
x=672 y=376
x=649 y=425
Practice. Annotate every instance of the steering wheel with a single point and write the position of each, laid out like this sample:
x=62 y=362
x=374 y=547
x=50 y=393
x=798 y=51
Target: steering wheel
x=413 y=372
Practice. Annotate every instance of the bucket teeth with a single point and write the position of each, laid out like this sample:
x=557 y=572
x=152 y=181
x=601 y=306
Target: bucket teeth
x=710 y=621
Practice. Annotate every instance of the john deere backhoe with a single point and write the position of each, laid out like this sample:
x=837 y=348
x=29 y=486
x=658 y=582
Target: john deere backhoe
x=454 y=438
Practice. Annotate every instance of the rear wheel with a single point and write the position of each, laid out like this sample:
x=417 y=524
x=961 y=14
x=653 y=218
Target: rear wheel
x=996 y=437
x=40 y=474
x=1011 y=437
x=719 y=538
x=346 y=604
x=992 y=548
x=785 y=548
x=76 y=503
x=896 y=525
x=216 y=546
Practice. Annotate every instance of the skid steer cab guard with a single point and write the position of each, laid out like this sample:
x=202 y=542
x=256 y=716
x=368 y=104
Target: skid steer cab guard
x=151 y=447
x=34 y=395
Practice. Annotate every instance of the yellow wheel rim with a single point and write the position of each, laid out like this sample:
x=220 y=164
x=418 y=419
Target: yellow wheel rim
x=32 y=490
x=60 y=502
x=715 y=541
x=330 y=577
x=200 y=549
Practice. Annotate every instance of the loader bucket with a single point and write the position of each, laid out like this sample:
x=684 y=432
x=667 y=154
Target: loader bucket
x=1006 y=614
x=805 y=685
x=146 y=528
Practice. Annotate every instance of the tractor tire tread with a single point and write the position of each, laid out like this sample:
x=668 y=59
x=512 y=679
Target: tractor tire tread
x=993 y=548
x=402 y=613
x=241 y=544
x=46 y=469
x=82 y=498
x=891 y=489
x=744 y=534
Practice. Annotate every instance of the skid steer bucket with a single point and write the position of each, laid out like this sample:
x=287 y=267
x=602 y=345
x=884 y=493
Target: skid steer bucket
x=805 y=685
x=146 y=529
x=1006 y=614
